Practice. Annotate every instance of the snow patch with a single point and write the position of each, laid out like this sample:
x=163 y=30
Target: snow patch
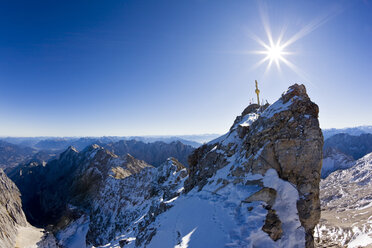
x=74 y=236
x=277 y=107
x=286 y=208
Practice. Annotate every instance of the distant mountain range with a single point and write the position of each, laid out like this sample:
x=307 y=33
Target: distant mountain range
x=11 y=155
x=62 y=143
x=154 y=153
x=153 y=149
x=355 y=131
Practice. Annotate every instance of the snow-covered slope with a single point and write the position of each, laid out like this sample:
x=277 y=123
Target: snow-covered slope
x=256 y=186
x=335 y=160
x=346 y=198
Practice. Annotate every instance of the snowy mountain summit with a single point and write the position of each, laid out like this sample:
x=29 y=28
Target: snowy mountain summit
x=255 y=186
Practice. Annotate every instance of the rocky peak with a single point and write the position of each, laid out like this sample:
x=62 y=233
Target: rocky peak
x=284 y=136
x=176 y=163
x=70 y=150
x=69 y=154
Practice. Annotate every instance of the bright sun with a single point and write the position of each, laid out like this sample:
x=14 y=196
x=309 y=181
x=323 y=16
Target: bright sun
x=275 y=52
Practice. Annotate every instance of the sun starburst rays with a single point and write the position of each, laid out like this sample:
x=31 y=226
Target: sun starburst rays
x=276 y=51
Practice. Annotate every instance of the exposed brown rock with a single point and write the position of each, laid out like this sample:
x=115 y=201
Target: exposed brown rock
x=273 y=225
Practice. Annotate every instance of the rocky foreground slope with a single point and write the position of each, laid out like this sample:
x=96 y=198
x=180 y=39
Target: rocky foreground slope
x=11 y=214
x=346 y=199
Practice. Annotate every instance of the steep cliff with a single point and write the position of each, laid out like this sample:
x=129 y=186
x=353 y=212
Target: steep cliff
x=11 y=214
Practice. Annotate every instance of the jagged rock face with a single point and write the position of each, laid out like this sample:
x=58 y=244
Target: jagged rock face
x=11 y=214
x=284 y=136
x=133 y=202
x=123 y=204
x=335 y=160
x=346 y=200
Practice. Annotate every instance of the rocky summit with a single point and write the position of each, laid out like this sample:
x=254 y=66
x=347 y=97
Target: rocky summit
x=277 y=149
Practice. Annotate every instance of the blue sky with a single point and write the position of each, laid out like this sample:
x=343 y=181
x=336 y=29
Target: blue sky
x=92 y=68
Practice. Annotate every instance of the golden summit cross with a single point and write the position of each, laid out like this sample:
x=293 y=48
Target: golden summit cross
x=258 y=93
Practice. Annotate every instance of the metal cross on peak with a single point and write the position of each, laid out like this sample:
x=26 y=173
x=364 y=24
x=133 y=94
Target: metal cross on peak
x=258 y=93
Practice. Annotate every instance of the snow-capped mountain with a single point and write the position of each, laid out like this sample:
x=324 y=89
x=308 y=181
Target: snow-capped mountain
x=154 y=153
x=256 y=186
x=354 y=131
x=334 y=160
x=346 y=199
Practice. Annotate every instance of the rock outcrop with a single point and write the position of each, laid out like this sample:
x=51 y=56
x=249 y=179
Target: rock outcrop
x=11 y=214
